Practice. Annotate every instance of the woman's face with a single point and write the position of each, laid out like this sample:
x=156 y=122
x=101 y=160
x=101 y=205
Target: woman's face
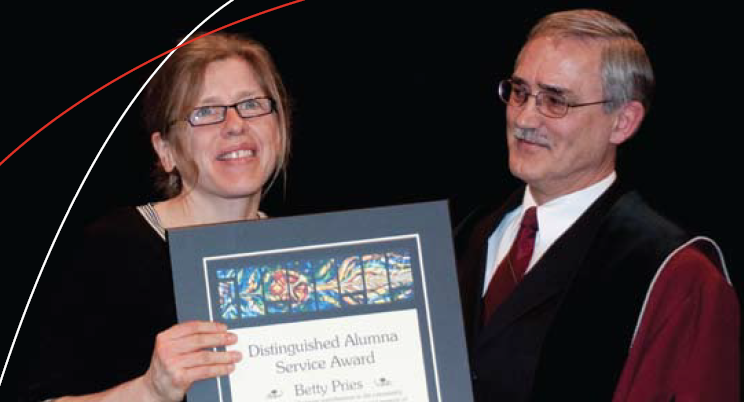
x=236 y=157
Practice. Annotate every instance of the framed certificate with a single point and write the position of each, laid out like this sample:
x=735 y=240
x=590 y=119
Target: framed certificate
x=346 y=306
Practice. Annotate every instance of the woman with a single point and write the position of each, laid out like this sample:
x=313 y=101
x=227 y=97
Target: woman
x=218 y=114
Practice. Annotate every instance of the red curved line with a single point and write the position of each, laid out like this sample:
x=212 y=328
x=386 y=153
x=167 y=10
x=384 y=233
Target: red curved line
x=136 y=68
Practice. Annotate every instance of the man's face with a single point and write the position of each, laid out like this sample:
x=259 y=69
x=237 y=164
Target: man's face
x=557 y=156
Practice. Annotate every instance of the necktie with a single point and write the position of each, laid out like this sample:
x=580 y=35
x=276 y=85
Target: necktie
x=512 y=268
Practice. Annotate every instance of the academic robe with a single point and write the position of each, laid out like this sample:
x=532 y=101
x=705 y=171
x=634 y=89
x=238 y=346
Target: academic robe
x=566 y=330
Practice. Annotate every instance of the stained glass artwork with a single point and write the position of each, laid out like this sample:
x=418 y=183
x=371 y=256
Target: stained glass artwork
x=225 y=273
x=376 y=279
x=404 y=293
x=350 y=276
x=276 y=289
x=326 y=284
x=302 y=285
x=401 y=274
x=228 y=308
x=250 y=292
x=352 y=300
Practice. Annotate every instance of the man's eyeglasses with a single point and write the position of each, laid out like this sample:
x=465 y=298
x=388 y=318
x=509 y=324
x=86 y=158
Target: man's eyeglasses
x=206 y=115
x=550 y=104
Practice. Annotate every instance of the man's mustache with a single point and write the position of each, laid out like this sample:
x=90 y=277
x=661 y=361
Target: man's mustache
x=531 y=135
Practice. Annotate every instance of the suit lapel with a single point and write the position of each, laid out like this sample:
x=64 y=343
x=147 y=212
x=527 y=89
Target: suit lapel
x=555 y=271
x=472 y=265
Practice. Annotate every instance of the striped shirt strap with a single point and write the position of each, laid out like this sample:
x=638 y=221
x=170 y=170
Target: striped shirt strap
x=151 y=217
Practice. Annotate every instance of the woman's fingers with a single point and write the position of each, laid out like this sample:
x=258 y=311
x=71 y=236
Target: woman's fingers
x=182 y=355
x=193 y=327
x=209 y=358
x=195 y=342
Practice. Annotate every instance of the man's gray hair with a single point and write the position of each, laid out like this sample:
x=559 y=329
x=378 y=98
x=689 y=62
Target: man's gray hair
x=625 y=67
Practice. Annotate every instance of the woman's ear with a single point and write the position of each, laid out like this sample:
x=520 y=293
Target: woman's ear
x=164 y=150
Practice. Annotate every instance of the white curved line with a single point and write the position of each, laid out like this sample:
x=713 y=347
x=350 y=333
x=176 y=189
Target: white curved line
x=64 y=219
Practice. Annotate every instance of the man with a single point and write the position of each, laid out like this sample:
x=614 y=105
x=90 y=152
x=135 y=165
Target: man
x=575 y=289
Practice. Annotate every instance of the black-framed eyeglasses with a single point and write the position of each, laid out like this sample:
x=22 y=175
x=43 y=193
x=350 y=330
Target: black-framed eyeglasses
x=249 y=108
x=550 y=104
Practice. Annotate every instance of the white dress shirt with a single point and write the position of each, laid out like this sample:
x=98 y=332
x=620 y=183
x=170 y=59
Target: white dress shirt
x=553 y=219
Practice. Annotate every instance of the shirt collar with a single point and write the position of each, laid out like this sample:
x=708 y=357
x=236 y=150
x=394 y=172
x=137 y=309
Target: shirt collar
x=556 y=216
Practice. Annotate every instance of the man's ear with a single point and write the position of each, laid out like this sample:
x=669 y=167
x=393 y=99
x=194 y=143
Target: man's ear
x=627 y=120
x=164 y=150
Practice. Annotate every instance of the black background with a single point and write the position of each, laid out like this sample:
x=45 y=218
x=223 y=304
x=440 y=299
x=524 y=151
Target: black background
x=393 y=104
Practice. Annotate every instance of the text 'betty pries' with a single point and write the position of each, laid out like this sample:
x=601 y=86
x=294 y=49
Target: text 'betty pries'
x=322 y=389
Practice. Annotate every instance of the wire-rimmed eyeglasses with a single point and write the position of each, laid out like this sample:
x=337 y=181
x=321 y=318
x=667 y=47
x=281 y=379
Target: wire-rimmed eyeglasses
x=550 y=104
x=248 y=108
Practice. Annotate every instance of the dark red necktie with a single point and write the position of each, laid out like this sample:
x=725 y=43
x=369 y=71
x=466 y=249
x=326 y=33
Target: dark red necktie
x=512 y=268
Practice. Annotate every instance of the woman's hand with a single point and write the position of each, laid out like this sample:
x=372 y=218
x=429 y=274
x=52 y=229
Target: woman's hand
x=181 y=356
